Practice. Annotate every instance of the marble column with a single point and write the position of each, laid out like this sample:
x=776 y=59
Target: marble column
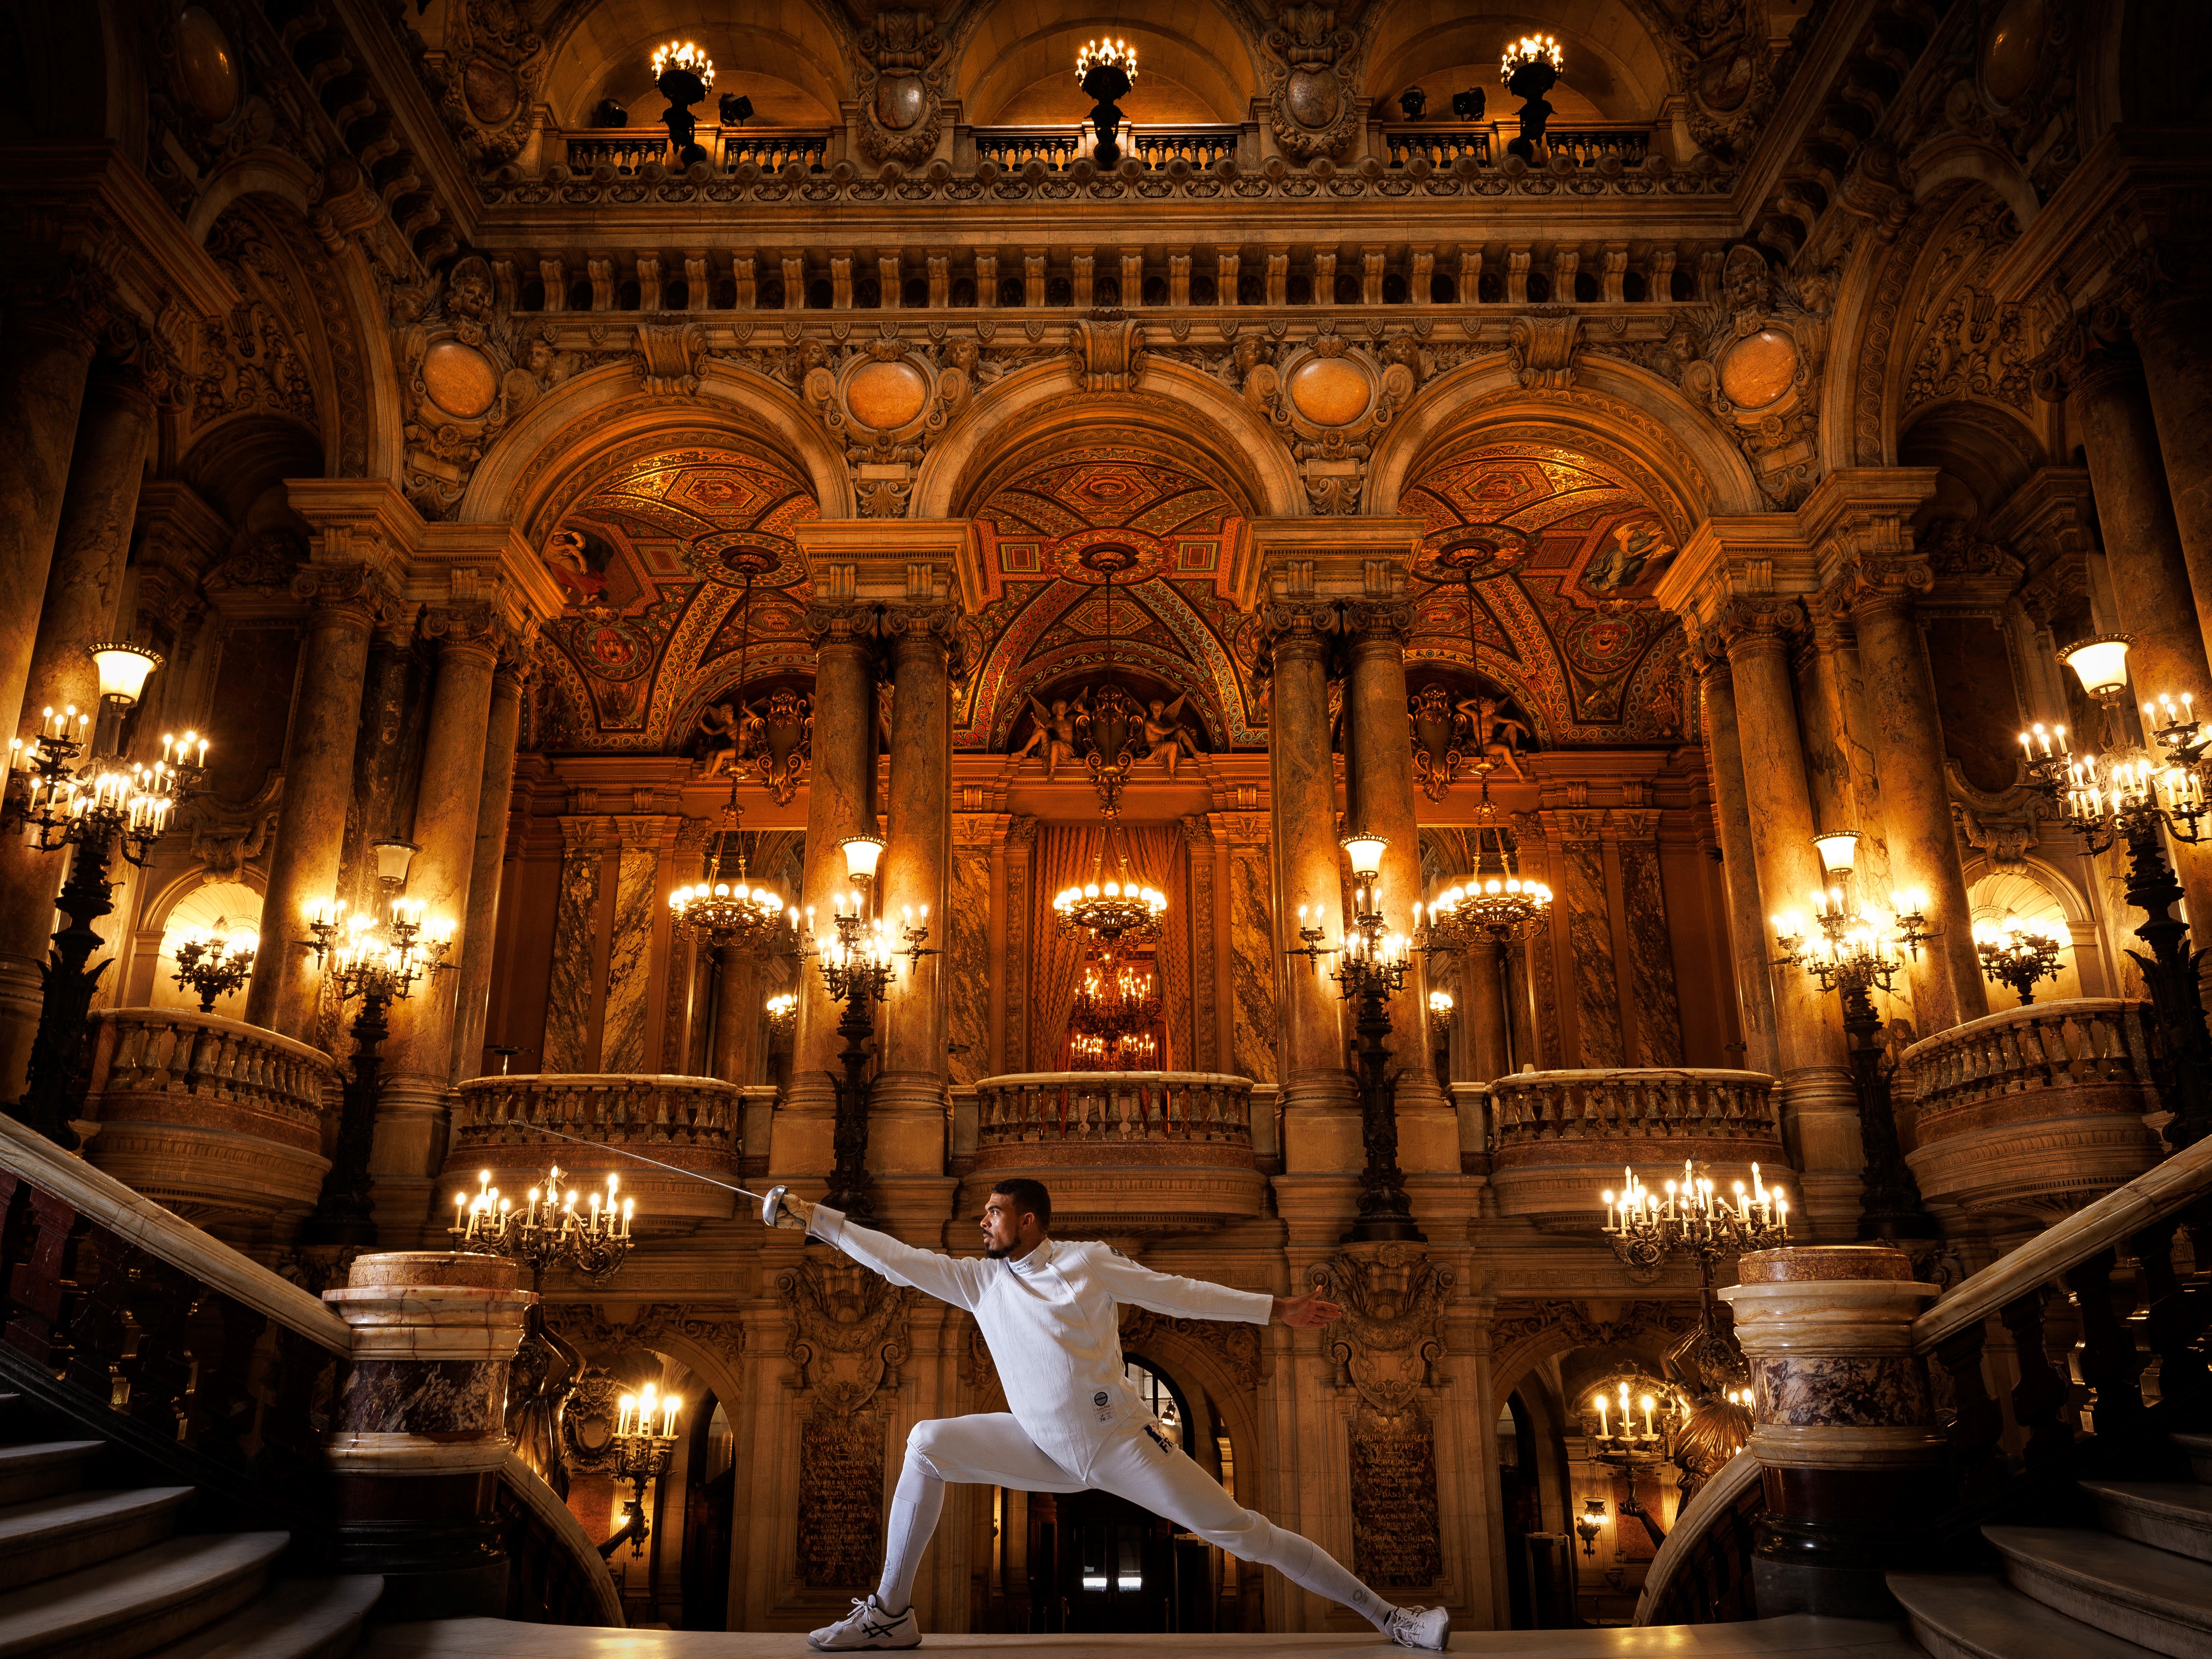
x=2173 y=331
x=1916 y=797
x=45 y=356
x=472 y=991
x=839 y=803
x=1820 y=1106
x=1581 y=900
x=1842 y=1424
x=418 y=1066
x=1321 y=1102
x=1651 y=998
x=572 y=994
x=2153 y=598
x=907 y=1101
x=737 y=1013
x=303 y=859
x=91 y=543
x=1482 y=983
x=1014 y=1034
x=419 y=1429
x=1205 y=1019
x=1747 y=921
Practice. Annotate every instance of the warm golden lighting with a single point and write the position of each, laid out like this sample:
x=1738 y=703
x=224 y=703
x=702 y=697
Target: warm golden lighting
x=1115 y=54
x=1533 y=48
x=683 y=55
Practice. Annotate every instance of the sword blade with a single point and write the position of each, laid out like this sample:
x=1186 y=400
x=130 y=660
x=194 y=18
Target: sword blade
x=625 y=1152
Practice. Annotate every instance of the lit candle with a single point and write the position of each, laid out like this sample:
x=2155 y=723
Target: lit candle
x=1603 y=1433
x=669 y=1407
x=1607 y=1196
x=1647 y=1418
x=627 y=1410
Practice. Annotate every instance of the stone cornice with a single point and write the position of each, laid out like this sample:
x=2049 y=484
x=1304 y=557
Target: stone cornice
x=1755 y=557
x=891 y=561
x=1859 y=514
x=1333 y=558
x=98 y=205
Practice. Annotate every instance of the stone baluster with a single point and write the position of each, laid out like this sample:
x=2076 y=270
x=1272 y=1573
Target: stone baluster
x=91 y=542
x=1843 y=1426
x=421 y=1429
x=419 y=1063
x=472 y=991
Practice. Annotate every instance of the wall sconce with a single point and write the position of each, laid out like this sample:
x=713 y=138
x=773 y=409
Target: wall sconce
x=1589 y=1522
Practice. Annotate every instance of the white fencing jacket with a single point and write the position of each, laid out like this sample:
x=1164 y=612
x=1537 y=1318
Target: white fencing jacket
x=1052 y=1323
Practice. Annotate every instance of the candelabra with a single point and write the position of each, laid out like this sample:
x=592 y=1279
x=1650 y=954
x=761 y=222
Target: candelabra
x=1440 y=1012
x=1857 y=954
x=1106 y=69
x=549 y=1230
x=2122 y=793
x=1646 y=1230
x=782 y=1014
x=377 y=963
x=858 y=962
x=2016 y=953
x=213 y=963
x=754 y=919
x=1531 y=68
x=1371 y=970
x=682 y=72
x=642 y=1455
x=1115 y=1006
x=108 y=806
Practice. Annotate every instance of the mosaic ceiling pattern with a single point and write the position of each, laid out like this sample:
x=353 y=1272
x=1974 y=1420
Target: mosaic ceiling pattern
x=1045 y=617
x=1563 y=618
x=652 y=557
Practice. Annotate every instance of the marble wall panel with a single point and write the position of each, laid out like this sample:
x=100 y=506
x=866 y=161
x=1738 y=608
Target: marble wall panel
x=968 y=965
x=1652 y=957
x=1589 y=932
x=575 y=930
x=1252 y=965
x=621 y=1045
x=1205 y=1054
x=438 y=1396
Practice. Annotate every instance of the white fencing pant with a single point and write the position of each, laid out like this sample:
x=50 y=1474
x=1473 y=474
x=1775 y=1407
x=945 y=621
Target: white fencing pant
x=991 y=1449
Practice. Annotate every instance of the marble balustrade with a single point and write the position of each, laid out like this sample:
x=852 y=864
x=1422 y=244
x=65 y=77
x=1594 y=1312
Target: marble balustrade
x=1560 y=1138
x=692 y=1123
x=1125 y=1154
x=2030 y=1113
x=226 y=1123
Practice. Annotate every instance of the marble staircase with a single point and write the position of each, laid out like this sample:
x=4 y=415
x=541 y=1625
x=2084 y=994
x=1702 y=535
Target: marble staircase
x=92 y=1572
x=2137 y=1584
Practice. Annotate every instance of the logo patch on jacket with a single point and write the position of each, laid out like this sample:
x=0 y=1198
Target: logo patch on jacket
x=1104 y=1400
x=1158 y=1439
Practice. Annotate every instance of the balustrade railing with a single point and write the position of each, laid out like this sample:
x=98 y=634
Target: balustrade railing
x=1440 y=146
x=1113 y=1112
x=1201 y=147
x=1442 y=143
x=1559 y=1138
x=1057 y=147
x=691 y=1122
x=627 y=149
x=2031 y=1112
x=1014 y=148
x=223 y=1121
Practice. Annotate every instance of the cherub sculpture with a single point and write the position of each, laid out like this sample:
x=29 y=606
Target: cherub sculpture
x=723 y=728
x=1056 y=729
x=1165 y=735
x=1495 y=737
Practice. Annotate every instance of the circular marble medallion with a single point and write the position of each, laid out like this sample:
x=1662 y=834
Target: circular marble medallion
x=1312 y=96
x=490 y=90
x=1759 y=368
x=206 y=65
x=886 y=396
x=2014 y=48
x=459 y=379
x=1329 y=392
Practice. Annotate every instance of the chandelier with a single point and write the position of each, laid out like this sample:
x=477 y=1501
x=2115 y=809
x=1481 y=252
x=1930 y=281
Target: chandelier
x=2017 y=953
x=683 y=55
x=1531 y=49
x=1115 y=54
x=1495 y=902
x=752 y=920
x=549 y=1229
x=215 y=961
x=1116 y=1007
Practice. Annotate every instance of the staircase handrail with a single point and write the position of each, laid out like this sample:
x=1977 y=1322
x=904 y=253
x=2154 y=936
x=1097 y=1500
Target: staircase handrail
x=568 y=1532
x=169 y=1237
x=2108 y=1224
x=1714 y=1498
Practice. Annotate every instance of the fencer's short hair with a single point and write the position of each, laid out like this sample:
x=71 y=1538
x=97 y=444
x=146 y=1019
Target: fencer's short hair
x=1029 y=1198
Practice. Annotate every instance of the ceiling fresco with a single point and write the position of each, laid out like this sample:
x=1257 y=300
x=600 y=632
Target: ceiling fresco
x=1046 y=612
x=1567 y=549
x=652 y=554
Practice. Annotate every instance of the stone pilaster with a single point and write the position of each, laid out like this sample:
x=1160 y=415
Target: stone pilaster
x=629 y=1037
x=419 y=1055
x=2173 y=327
x=1021 y=854
x=970 y=933
x=92 y=540
x=1656 y=1009
x=1580 y=892
x=1747 y=922
x=473 y=992
x=568 y=1044
x=737 y=1013
x=1205 y=979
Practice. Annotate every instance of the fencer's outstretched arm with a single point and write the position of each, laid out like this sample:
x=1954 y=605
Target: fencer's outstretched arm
x=947 y=1278
x=1179 y=1297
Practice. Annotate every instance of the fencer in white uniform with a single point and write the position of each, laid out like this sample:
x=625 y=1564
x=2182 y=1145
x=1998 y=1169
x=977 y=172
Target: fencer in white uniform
x=1075 y=1423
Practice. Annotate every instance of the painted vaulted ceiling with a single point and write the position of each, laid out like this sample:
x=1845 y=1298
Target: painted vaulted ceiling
x=653 y=545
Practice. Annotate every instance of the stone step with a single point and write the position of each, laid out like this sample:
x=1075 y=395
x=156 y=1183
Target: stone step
x=2145 y=1595
x=2167 y=1514
x=2199 y=1448
x=49 y=1536
x=120 y=1609
x=9 y=1403
x=298 y=1618
x=1974 y=1616
x=43 y=1468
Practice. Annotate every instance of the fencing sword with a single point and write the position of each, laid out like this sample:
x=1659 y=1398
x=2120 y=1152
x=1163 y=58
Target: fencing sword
x=771 y=1202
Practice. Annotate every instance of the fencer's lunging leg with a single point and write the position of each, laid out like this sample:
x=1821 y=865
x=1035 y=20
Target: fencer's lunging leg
x=989 y=1448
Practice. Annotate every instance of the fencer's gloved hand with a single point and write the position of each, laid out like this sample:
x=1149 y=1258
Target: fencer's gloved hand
x=792 y=1213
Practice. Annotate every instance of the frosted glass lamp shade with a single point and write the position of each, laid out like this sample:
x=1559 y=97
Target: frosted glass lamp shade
x=123 y=670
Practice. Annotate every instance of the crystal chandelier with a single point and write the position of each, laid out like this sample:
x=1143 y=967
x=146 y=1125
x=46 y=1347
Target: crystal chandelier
x=752 y=920
x=1496 y=902
x=1111 y=1024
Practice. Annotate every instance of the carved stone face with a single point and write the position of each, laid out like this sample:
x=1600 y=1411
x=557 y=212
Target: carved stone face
x=468 y=293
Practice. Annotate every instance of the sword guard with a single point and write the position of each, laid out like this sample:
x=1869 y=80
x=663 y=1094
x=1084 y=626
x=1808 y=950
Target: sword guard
x=772 y=1205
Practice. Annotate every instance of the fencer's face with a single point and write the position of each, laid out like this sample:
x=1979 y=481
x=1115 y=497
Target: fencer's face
x=1004 y=1233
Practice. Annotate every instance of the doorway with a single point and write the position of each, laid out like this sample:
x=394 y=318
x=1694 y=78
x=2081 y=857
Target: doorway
x=709 y=1509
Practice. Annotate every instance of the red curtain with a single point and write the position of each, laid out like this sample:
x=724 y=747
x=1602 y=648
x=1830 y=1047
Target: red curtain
x=1066 y=855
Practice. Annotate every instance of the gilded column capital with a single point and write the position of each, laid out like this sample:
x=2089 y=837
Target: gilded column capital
x=1636 y=823
x=1196 y=831
x=1299 y=627
x=2083 y=351
x=65 y=296
x=1377 y=622
x=1021 y=830
x=1747 y=627
x=467 y=631
x=1872 y=584
x=1572 y=825
x=841 y=622
x=937 y=623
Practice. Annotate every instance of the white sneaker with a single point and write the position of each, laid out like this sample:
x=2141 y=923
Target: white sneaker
x=1421 y=1627
x=868 y=1626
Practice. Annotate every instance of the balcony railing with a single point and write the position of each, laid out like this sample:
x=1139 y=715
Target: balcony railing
x=1440 y=144
x=1057 y=147
x=627 y=149
x=691 y=1122
x=1125 y=1153
x=1560 y=1138
x=2032 y=1112
x=222 y=1121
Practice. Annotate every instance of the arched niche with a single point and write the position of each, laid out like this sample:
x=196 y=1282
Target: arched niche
x=788 y=56
x=1614 y=68
x=1016 y=67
